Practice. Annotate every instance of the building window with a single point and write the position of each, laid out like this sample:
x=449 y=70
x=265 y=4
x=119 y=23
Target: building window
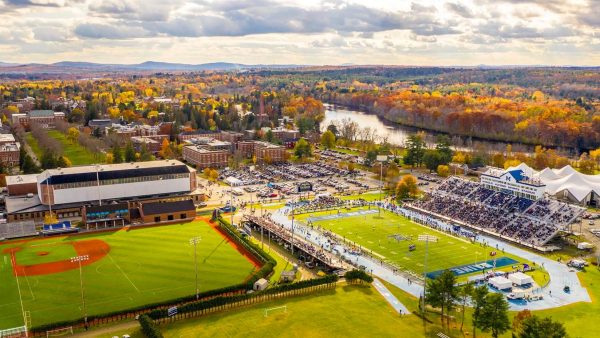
x=157 y=219
x=182 y=216
x=170 y=217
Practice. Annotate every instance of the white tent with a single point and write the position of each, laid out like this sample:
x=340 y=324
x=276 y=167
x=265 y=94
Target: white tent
x=500 y=283
x=260 y=284
x=520 y=278
x=584 y=246
x=232 y=181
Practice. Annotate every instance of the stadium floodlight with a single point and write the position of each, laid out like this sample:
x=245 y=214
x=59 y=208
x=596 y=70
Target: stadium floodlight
x=426 y=239
x=78 y=260
x=194 y=241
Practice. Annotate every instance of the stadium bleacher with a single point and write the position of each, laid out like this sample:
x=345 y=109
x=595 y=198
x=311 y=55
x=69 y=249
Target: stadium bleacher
x=58 y=228
x=522 y=220
x=17 y=230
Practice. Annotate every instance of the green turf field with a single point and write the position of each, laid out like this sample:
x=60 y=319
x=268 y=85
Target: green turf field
x=77 y=154
x=143 y=266
x=373 y=233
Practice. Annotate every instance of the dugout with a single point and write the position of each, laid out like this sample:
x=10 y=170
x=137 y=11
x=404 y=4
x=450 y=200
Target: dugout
x=106 y=216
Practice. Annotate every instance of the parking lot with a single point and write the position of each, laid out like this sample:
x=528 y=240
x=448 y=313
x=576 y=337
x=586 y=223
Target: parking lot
x=279 y=182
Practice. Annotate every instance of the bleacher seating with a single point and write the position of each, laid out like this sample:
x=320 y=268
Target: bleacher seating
x=523 y=220
x=59 y=228
x=17 y=230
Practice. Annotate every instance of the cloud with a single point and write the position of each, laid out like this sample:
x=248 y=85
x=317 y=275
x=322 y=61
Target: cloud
x=137 y=10
x=459 y=9
x=41 y=3
x=105 y=31
x=500 y=29
x=50 y=33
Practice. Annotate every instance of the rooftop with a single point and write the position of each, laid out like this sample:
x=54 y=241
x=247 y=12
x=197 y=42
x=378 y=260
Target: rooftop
x=7 y=138
x=21 y=179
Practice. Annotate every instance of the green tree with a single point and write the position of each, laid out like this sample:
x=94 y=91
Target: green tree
x=494 y=315
x=478 y=298
x=333 y=128
x=302 y=149
x=371 y=157
x=117 y=154
x=28 y=166
x=534 y=327
x=145 y=155
x=443 y=148
x=443 y=293
x=415 y=150
x=129 y=153
x=432 y=159
x=328 y=139
x=464 y=294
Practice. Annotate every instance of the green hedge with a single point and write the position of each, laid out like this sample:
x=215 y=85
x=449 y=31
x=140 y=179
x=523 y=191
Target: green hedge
x=149 y=328
x=263 y=272
x=220 y=301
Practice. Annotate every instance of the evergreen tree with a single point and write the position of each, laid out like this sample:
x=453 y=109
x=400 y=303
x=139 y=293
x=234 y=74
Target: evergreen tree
x=415 y=150
x=129 y=153
x=117 y=154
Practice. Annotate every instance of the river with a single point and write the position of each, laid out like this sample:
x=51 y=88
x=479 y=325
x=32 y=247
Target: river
x=397 y=134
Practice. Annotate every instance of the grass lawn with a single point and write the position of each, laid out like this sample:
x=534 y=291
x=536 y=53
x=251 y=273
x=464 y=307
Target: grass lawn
x=143 y=266
x=351 y=311
x=77 y=154
x=373 y=232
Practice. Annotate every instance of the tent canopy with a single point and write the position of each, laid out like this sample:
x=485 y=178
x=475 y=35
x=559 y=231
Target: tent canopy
x=520 y=278
x=500 y=283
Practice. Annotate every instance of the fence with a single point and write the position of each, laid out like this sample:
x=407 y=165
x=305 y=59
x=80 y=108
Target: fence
x=259 y=298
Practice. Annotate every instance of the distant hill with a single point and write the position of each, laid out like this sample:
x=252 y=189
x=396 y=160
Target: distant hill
x=6 y=64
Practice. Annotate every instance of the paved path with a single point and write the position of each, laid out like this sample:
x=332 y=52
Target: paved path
x=554 y=296
x=394 y=302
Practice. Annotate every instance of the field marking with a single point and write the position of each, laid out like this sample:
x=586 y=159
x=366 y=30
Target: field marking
x=124 y=274
x=29 y=286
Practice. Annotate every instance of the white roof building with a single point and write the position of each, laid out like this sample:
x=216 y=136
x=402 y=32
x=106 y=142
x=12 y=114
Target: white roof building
x=565 y=182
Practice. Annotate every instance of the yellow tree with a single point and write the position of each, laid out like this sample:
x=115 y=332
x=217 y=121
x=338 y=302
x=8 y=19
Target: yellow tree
x=407 y=187
x=165 y=149
x=443 y=170
x=73 y=134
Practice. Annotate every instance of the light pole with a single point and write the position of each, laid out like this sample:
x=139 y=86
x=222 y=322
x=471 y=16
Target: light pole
x=78 y=260
x=426 y=239
x=194 y=241
x=380 y=185
x=292 y=239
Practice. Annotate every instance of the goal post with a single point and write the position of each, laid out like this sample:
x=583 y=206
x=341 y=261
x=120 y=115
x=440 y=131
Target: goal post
x=20 y=331
x=60 y=332
x=282 y=308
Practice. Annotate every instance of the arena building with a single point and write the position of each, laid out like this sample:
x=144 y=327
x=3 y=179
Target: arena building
x=67 y=191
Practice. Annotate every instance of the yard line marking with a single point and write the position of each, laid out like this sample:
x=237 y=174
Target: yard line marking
x=123 y=272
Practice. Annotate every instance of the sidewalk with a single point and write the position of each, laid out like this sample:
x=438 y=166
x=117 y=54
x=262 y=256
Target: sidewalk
x=394 y=302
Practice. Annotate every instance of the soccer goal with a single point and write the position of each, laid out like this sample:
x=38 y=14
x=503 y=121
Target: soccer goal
x=14 y=332
x=60 y=332
x=276 y=309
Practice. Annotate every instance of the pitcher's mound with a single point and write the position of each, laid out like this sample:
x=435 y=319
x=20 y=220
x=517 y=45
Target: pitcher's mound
x=43 y=253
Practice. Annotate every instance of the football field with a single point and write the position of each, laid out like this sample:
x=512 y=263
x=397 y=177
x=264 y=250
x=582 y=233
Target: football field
x=390 y=236
x=126 y=269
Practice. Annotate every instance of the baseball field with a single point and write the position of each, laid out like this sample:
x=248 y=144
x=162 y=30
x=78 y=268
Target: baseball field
x=124 y=269
x=389 y=237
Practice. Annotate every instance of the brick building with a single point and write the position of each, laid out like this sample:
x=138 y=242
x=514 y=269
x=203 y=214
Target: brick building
x=205 y=158
x=44 y=118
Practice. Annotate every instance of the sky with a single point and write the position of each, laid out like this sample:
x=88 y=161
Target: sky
x=331 y=32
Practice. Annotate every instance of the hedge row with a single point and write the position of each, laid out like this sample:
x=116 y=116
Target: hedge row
x=149 y=328
x=263 y=272
x=220 y=301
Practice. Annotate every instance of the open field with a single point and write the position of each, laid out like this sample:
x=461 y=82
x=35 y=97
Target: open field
x=77 y=154
x=376 y=234
x=141 y=266
x=347 y=311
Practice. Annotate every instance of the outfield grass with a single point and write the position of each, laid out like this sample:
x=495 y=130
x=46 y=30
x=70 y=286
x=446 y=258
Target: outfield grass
x=143 y=266
x=373 y=233
x=77 y=154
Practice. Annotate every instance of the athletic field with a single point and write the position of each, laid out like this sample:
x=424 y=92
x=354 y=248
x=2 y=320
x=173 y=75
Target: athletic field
x=127 y=268
x=390 y=236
